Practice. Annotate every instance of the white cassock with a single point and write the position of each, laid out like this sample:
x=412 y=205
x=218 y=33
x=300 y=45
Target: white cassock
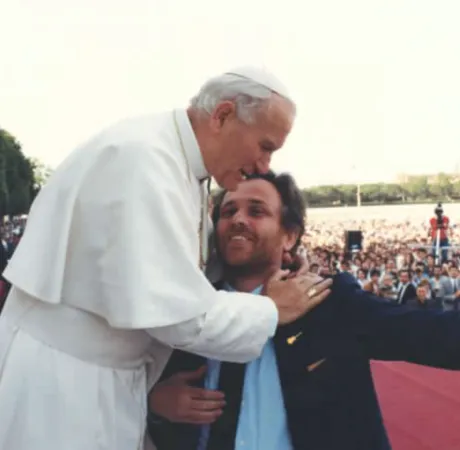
x=105 y=282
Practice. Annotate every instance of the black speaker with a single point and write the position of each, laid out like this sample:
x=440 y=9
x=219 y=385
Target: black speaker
x=353 y=240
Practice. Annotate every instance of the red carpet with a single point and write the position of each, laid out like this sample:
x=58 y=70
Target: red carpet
x=421 y=406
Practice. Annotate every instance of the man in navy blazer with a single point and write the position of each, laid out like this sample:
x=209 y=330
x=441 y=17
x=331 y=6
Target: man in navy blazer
x=328 y=400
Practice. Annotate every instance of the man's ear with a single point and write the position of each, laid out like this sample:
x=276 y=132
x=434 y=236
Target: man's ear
x=289 y=240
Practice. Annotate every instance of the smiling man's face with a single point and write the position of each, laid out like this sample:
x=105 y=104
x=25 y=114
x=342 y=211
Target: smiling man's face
x=249 y=229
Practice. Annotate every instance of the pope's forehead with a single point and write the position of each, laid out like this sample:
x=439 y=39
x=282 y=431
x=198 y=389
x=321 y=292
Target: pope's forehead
x=278 y=113
x=254 y=190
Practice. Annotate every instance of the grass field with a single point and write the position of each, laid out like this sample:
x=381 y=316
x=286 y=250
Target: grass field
x=417 y=213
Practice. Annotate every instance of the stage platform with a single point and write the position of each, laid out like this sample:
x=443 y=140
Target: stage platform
x=421 y=405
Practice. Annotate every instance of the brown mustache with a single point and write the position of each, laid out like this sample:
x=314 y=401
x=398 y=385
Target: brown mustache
x=240 y=230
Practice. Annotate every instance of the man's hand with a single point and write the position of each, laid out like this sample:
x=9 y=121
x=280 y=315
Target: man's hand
x=176 y=401
x=295 y=296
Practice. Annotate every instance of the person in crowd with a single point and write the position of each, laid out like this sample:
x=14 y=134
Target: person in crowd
x=449 y=290
x=373 y=284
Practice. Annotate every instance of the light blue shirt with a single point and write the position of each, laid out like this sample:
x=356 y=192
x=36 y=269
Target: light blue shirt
x=262 y=424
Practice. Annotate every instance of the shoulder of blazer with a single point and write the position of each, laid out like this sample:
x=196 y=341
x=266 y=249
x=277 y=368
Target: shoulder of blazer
x=218 y=286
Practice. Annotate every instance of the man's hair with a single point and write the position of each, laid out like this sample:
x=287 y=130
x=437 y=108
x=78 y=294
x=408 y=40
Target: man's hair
x=408 y=271
x=248 y=96
x=292 y=203
x=424 y=283
x=375 y=273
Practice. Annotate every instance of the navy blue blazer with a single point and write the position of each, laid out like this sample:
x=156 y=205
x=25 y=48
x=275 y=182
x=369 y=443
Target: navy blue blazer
x=334 y=406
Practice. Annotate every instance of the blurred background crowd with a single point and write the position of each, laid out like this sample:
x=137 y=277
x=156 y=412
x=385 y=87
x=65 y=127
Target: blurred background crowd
x=395 y=260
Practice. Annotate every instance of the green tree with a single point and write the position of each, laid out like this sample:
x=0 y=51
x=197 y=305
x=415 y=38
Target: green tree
x=373 y=193
x=348 y=193
x=417 y=187
x=456 y=189
x=41 y=172
x=443 y=185
x=16 y=177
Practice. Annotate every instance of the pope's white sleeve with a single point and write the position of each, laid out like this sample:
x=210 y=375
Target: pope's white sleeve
x=235 y=329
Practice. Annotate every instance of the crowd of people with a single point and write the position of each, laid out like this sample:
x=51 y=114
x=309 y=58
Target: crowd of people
x=395 y=260
x=10 y=235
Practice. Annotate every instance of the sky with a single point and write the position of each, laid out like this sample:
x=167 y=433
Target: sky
x=376 y=82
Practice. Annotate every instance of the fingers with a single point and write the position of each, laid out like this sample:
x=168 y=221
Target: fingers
x=207 y=405
x=313 y=281
x=321 y=286
x=317 y=299
x=318 y=289
x=202 y=417
x=279 y=275
x=206 y=394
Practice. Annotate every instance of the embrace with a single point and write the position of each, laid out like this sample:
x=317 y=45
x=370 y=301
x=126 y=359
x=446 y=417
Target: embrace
x=108 y=282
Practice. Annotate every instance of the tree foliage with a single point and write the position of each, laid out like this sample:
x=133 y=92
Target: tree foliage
x=20 y=177
x=421 y=188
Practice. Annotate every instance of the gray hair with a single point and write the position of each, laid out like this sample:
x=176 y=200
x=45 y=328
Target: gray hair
x=248 y=95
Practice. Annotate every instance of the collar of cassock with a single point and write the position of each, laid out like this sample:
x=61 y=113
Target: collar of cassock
x=191 y=147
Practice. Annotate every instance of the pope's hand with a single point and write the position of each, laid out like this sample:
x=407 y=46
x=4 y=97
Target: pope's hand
x=295 y=296
x=177 y=401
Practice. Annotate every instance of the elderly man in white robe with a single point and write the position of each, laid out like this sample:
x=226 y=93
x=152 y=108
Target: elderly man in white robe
x=109 y=275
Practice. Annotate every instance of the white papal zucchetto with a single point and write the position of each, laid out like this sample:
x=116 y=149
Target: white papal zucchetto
x=262 y=77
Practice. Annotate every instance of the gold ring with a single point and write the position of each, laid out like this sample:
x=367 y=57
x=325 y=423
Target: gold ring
x=312 y=292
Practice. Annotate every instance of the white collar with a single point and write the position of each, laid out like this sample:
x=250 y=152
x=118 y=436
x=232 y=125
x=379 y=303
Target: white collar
x=191 y=147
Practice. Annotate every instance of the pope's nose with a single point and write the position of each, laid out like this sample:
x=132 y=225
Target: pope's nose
x=263 y=164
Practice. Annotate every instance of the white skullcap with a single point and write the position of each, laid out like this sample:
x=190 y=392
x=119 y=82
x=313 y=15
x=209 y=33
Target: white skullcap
x=263 y=77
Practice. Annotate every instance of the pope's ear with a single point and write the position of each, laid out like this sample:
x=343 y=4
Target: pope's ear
x=222 y=113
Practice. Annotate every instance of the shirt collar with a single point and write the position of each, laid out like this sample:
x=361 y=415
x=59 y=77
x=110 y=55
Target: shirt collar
x=230 y=288
x=191 y=147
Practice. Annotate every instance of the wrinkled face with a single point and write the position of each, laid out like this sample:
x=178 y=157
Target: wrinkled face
x=246 y=148
x=249 y=230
